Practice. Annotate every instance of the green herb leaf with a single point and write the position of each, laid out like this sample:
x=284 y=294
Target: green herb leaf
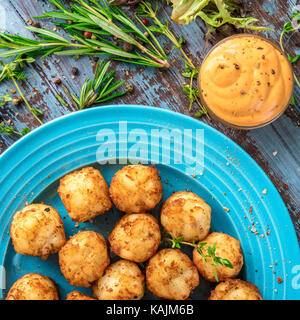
x=8 y=130
x=37 y=112
x=100 y=19
x=101 y=88
x=25 y=131
x=215 y=13
x=293 y=60
x=293 y=101
x=4 y=100
x=201 y=248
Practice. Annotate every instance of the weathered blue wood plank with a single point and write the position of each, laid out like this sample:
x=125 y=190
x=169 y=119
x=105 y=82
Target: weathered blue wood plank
x=162 y=89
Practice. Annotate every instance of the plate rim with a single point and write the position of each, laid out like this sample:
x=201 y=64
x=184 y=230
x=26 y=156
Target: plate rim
x=196 y=123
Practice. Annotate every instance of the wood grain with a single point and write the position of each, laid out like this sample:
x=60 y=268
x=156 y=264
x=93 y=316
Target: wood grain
x=162 y=89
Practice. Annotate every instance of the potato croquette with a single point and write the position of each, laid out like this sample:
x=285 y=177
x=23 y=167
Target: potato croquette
x=171 y=275
x=235 y=289
x=136 y=189
x=76 y=295
x=123 y=280
x=135 y=237
x=84 y=258
x=186 y=215
x=33 y=286
x=37 y=230
x=85 y=194
x=227 y=247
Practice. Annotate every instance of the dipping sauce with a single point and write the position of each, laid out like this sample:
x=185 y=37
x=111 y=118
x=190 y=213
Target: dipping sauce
x=246 y=81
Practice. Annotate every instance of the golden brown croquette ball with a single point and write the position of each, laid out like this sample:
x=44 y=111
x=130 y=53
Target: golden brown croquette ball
x=235 y=289
x=136 y=188
x=33 y=286
x=122 y=280
x=135 y=237
x=37 y=230
x=186 y=215
x=171 y=274
x=76 y=295
x=85 y=194
x=227 y=247
x=84 y=258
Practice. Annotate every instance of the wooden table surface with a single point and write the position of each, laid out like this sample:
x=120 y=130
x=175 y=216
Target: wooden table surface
x=276 y=148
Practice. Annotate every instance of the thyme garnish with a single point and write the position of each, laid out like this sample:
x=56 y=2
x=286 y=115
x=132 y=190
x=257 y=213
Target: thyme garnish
x=205 y=253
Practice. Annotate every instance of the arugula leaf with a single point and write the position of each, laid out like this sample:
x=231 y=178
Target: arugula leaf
x=215 y=13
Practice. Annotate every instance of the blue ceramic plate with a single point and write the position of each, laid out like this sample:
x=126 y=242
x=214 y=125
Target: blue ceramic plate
x=231 y=182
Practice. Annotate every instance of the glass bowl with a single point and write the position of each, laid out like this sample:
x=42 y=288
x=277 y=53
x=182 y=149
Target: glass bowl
x=210 y=108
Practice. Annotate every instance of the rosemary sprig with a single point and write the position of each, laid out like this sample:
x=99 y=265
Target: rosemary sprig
x=99 y=19
x=201 y=248
x=9 y=130
x=100 y=89
x=13 y=71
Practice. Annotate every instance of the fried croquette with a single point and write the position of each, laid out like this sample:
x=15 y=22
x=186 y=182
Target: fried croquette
x=227 y=247
x=235 y=289
x=122 y=280
x=135 y=237
x=33 y=286
x=186 y=215
x=84 y=258
x=37 y=230
x=136 y=188
x=171 y=274
x=76 y=295
x=85 y=194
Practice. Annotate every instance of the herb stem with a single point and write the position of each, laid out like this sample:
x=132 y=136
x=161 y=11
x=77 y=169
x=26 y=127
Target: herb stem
x=182 y=242
x=67 y=92
x=210 y=254
x=15 y=132
x=282 y=48
x=168 y=34
x=24 y=99
x=204 y=111
x=191 y=90
x=163 y=63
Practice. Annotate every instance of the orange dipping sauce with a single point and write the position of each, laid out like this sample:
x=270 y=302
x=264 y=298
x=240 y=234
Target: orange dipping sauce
x=246 y=81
